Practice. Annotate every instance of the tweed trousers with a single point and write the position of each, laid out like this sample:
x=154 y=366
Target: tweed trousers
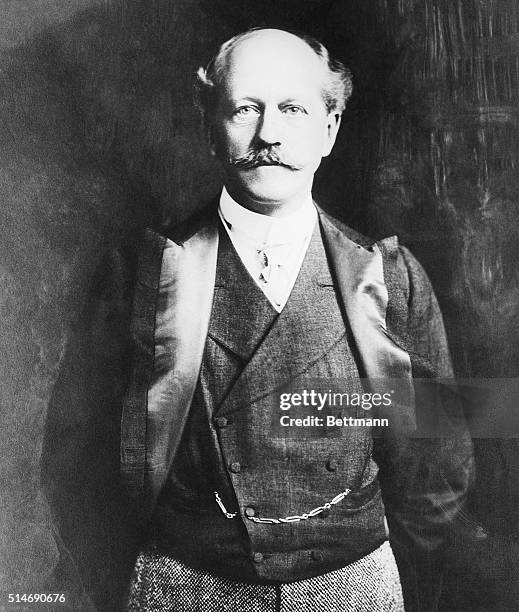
x=162 y=584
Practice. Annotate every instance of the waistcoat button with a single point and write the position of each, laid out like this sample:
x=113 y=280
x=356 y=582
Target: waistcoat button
x=332 y=465
x=480 y=533
x=221 y=422
x=257 y=557
x=235 y=467
x=250 y=512
x=316 y=555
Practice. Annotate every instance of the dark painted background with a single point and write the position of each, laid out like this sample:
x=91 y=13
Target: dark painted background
x=99 y=135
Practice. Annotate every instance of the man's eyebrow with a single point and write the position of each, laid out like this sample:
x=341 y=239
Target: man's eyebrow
x=299 y=99
x=245 y=98
x=294 y=100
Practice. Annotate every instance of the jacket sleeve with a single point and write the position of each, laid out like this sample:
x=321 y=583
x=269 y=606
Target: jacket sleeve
x=93 y=523
x=425 y=479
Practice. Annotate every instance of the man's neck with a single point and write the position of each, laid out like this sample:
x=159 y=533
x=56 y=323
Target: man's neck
x=263 y=229
x=284 y=208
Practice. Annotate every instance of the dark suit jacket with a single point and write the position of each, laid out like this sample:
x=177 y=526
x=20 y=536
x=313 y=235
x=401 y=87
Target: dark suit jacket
x=168 y=278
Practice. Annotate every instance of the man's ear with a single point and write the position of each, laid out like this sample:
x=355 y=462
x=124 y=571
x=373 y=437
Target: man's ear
x=333 y=124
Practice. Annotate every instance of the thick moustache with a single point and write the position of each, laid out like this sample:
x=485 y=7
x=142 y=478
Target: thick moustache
x=262 y=157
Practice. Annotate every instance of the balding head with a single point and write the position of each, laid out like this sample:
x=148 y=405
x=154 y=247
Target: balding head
x=273 y=47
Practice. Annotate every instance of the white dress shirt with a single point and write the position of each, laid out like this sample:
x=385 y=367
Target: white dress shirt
x=272 y=249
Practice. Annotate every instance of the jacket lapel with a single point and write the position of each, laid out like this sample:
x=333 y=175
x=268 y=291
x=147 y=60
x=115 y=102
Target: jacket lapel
x=359 y=268
x=172 y=305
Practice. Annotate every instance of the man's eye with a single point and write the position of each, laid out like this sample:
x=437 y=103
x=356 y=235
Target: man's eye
x=294 y=110
x=245 y=112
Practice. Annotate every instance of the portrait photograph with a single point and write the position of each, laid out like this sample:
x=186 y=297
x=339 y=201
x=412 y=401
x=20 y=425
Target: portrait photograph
x=259 y=307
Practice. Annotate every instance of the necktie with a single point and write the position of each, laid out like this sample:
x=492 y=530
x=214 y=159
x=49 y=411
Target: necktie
x=274 y=274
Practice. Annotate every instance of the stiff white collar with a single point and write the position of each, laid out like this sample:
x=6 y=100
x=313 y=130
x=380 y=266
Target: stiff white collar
x=272 y=249
x=264 y=230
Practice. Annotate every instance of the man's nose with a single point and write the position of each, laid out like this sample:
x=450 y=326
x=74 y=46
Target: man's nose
x=270 y=128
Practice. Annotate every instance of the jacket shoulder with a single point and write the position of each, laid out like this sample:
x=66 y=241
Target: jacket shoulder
x=125 y=263
x=200 y=222
x=349 y=232
x=401 y=267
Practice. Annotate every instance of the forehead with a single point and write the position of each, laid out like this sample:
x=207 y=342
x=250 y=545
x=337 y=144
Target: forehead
x=272 y=64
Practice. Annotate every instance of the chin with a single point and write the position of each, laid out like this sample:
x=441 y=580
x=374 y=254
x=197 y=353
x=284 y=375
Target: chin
x=273 y=189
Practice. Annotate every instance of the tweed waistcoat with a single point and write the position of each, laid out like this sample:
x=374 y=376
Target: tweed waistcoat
x=230 y=446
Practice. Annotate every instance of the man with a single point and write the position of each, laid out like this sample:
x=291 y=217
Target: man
x=260 y=291
x=264 y=291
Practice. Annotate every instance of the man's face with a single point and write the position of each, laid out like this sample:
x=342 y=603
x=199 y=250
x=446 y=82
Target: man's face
x=271 y=128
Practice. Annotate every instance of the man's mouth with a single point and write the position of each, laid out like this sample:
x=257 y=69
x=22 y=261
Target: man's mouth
x=279 y=164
